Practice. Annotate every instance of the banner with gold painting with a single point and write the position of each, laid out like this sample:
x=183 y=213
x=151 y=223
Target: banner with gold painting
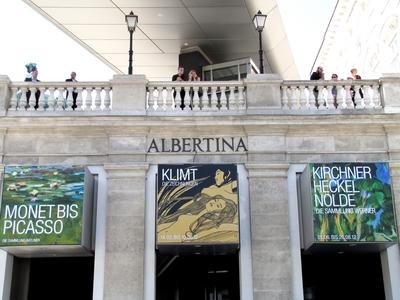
x=197 y=204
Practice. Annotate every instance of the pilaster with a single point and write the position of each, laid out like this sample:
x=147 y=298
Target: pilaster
x=270 y=231
x=125 y=231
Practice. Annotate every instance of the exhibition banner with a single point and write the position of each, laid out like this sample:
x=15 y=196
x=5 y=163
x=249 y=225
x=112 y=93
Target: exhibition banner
x=352 y=202
x=197 y=204
x=42 y=205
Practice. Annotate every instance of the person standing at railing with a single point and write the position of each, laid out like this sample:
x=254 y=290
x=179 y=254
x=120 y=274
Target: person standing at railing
x=180 y=76
x=192 y=76
x=74 y=94
x=354 y=76
x=32 y=77
x=334 y=77
x=317 y=75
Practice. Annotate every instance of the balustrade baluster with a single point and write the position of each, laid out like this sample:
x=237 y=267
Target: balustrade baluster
x=214 y=98
x=69 y=99
x=107 y=99
x=23 y=102
x=358 y=100
x=178 y=98
x=159 y=101
x=150 y=99
x=242 y=102
x=41 y=101
x=79 y=99
x=60 y=99
x=377 y=97
x=205 y=105
x=293 y=98
x=51 y=100
x=329 y=97
x=186 y=100
x=232 y=101
x=320 y=101
x=89 y=99
x=303 y=97
x=196 y=99
x=343 y=94
x=223 y=101
x=368 y=97
x=312 y=101
x=31 y=102
x=171 y=104
x=349 y=100
x=97 y=99
x=14 y=98
x=285 y=101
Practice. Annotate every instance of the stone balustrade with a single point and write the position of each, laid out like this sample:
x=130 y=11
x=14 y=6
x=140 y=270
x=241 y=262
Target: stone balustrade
x=60 y=96
x=331 y=95
x=258 y=94
x=197 y=96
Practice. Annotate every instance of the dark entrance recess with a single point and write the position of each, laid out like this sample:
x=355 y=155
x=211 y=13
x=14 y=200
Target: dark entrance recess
x=52 y=278
x=345 y=276
x=197 y=277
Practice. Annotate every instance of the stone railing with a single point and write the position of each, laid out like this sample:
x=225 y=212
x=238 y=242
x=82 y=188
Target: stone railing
x=258 y=94
x=196 y=96
x=331 y=95
x=60 y=96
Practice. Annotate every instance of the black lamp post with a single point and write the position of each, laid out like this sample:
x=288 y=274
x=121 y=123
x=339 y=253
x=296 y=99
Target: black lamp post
x=131 y=21
x=259 y=23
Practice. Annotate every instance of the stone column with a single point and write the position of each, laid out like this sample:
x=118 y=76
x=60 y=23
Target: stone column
x=129 y=94
x=263 y=92
x=123 y=278
x=270 y=231
x=4 y=94
x=390 y=88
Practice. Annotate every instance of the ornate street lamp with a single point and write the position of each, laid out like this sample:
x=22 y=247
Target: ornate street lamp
x=259 y=23
x=131 y=21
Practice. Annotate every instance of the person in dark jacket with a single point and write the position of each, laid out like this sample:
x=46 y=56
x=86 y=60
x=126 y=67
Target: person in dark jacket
x=180 y=76
x=317 y=75
x=74 y=94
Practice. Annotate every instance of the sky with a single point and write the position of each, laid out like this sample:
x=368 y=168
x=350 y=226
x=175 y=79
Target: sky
x=40 y=41
x=305 y=22
x=27 y=37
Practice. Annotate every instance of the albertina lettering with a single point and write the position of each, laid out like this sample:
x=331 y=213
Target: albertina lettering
x=217 y=144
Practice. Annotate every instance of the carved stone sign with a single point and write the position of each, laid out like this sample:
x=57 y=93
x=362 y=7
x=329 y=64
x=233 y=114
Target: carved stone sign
x=197 y=145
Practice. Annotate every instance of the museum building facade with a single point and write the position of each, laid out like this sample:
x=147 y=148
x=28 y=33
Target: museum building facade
x=255 y=189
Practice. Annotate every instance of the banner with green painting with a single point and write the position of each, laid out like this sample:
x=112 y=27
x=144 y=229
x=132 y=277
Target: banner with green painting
x=42 y=205
x=352 y=202
x=197 y=204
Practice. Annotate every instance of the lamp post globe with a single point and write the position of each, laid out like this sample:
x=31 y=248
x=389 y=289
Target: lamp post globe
x=259 y=23
x=131 y=21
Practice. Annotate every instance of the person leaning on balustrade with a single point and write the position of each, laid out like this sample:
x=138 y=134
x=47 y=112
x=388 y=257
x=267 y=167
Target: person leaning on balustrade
x=334 y=77
x=192 y=76
x=180 y=76
x=74 y=94
x=354 y=76
x=317 y=75
x=32 y=77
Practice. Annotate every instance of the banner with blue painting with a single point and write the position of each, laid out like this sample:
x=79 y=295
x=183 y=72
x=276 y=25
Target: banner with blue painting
x=352 y=202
